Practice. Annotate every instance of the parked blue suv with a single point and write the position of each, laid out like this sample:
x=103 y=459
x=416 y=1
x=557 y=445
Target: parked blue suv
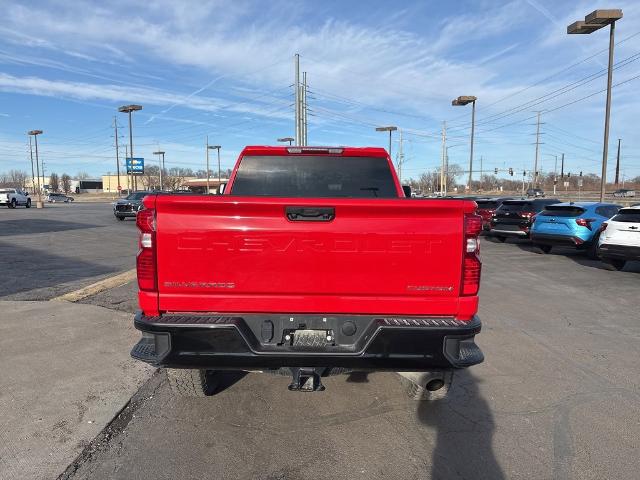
x=575 y=224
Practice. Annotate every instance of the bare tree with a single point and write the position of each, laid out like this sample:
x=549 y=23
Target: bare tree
x=14 y=179
x=82 y=175
x=151 y=177
x=65 y=181
x=54 y=182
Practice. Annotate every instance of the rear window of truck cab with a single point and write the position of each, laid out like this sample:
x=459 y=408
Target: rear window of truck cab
x=314 y=176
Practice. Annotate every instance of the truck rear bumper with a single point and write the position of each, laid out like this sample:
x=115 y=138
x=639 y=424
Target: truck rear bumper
x=262 y=342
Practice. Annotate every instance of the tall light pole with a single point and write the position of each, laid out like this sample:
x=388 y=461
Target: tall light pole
x=461 y=101
x=130 y=109
x=161 y=162
x=446 y=165
x=35 y=134
x=217 y=147
x=287 y=139
x=389 y=129
x=33 y=180
x=212 y=147
x=592 y=22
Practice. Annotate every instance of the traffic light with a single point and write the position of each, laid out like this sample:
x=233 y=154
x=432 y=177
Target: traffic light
x=524 y=173
x=580 y=172
x=511 y=171
x=495 y=170
x=569 y=175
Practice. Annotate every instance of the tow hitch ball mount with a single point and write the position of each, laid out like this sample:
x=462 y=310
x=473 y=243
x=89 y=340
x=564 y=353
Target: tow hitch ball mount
x=306 y=379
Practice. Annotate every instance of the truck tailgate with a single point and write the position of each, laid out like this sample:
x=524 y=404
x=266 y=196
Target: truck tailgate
x=243 y=254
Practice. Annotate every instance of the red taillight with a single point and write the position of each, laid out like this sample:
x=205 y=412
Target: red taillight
x=584 y=222
x=471 y=277
x=603 y=227
x=471 y=265
x=146 y=259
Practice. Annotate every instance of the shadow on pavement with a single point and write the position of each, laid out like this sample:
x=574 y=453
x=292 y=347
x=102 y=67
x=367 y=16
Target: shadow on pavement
x=226 y=379
x=26 y=226
x=358 y=377
x=25 y=269
x=464 y=426
x=578 y=256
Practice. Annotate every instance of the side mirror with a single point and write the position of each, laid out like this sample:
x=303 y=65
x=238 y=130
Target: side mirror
x=407 y=191
x=221 y=188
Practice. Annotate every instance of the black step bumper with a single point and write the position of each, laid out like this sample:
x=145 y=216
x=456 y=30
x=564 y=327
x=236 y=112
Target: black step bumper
x=260 y=342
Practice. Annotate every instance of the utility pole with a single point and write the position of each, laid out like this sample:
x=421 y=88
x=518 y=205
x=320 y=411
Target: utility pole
x=535 y=165
x=400 y=158
x=298 y=134
x=555 y=174
x=481 y=184
x=473 y=123
x=444 y=153
x=618 y=163
x=303 y=118
x=33 y=180
x=161 y=162
x=115 y=126
x=130 y=173
x=562 y=168
x=208 y=191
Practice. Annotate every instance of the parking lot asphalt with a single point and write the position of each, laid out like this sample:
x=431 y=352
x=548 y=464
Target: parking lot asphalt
x=557 y=397
x=60 y=248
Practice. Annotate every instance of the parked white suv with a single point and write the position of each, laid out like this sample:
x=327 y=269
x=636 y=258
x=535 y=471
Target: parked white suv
x=620 y=238
x=12 y=197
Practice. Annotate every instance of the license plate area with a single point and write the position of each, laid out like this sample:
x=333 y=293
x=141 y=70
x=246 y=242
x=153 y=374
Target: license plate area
x=308 y=338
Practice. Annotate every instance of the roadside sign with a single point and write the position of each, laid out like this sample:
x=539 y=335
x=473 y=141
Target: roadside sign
x=580 y=182
x=135 y=165
x=566 y=184
x=119 y=187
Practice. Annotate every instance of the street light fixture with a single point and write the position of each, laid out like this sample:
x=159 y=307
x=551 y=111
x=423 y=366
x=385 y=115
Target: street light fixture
x=35 y=133
x=287 y=139
x=592 y=22
x=129 y=109
x=389 y=129
x=459 y=102
x=159 y=152
x=212 y=147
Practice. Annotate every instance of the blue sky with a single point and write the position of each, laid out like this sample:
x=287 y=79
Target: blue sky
x=225 y=69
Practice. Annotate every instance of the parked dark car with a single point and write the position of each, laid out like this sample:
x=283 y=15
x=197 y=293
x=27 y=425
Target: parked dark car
x=129 y=205
x=59 y=197
x=487 y=207
x=535 y=193
x=624 y=192
x=514 y=217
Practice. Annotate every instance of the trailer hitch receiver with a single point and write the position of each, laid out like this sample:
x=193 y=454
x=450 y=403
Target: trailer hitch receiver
x=306 y=379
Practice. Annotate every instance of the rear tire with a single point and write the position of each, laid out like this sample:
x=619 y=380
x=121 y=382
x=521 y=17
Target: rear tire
x=28 y=205
x=545 y=248
x=191 y=382
x=615 y=263
x=14 y=204
x=592 y=251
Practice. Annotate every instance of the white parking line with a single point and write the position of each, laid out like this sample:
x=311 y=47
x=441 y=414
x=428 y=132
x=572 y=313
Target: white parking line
x=102 y=285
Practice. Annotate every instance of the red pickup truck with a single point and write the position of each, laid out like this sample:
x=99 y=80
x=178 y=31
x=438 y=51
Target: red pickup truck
x=312 y=263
